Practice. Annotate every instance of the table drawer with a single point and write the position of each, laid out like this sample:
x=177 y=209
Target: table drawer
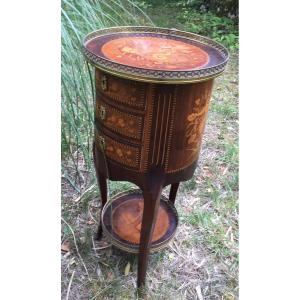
x=124 y=154
x=118 y=121
x=125 y=92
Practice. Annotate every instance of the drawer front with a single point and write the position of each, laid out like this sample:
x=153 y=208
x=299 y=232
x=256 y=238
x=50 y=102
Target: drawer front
x=123 y=154
x=120 y=122
x=126 y=92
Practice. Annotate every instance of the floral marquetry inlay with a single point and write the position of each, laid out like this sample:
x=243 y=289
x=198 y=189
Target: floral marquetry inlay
x=196 y=122
x=121 y=153
x=155 y=53
x=123 y=91
x=118 y=121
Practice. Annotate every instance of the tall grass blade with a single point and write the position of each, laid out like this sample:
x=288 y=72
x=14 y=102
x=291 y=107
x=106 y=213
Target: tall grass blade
x=77 y=80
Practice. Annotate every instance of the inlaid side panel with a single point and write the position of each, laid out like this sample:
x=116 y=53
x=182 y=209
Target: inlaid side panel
x=162 y=125
x=127 y=92
x=192 y=103
x=148 y=120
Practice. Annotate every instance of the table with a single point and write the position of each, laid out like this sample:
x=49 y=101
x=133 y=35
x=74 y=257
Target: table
x=153 y=88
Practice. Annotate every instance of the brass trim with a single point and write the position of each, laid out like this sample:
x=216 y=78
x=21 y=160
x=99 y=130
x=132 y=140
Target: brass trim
x=148 y=122
x=157 y=80
x=104 y=83
x=102 y=112
x=161 y=128
x=156 y=76
x=126 y=247
x=101 y=142
x=171 y=127
x=167 y=128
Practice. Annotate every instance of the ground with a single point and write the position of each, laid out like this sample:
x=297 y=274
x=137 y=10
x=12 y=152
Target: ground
x=202 y=261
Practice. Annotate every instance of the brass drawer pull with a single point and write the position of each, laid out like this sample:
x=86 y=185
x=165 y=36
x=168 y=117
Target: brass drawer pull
x=104 y=83
x=102 y=112
x=102 y=142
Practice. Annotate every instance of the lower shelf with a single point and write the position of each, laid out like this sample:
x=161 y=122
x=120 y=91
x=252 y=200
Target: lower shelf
x=122 y=221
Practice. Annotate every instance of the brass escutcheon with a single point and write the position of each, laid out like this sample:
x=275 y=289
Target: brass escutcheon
x=104 y=83
x=102 y=112
x=102 y=142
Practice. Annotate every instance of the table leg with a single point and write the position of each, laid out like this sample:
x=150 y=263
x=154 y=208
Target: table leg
x=173 y=192
x=102 y=183
x=151 y=205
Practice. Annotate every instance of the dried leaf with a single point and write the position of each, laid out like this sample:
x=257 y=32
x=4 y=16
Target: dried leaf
x=110 y=275
x=199 y=293
x=225 y=171
x=67 y=255
x=90 y=222
x=65 y=246
x=207 y=173
x=127 y=269
x=72 y=261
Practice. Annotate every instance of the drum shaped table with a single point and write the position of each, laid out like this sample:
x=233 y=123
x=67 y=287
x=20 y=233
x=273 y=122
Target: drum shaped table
x=153 y=87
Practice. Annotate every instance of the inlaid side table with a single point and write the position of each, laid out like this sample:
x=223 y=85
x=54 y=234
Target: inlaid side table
x=153 y=87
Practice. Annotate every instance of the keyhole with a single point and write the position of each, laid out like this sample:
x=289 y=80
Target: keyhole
x=104 y=83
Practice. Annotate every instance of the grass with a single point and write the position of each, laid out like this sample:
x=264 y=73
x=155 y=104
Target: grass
x=78 y=19
x=204 y=252
x=187 y=16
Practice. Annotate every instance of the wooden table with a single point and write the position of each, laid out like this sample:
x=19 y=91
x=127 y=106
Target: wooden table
x=153 y=88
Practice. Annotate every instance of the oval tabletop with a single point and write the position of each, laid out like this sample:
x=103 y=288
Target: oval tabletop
x=155 y=54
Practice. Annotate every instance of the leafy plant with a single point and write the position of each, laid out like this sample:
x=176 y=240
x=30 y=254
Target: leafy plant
x=221 y=29
x=216 y=19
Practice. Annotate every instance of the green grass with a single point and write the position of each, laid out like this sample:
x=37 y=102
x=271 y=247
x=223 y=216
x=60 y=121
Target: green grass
x=190 y=185
x=120 y=186
x=226 y=109
x=77 y=19
x=186 y=16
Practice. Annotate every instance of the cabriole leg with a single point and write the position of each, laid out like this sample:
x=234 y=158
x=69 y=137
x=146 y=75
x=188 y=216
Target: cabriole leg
x=173 y=192
x=151 y=206
x=102 y=183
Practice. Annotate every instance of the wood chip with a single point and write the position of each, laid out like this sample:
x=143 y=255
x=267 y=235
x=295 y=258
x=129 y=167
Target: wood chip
x=110 y=276
x=65 y=246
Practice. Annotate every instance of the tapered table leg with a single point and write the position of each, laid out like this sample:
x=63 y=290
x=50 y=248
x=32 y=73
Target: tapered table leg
x=102 y=183
x=173 y=192
x=151 y=206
